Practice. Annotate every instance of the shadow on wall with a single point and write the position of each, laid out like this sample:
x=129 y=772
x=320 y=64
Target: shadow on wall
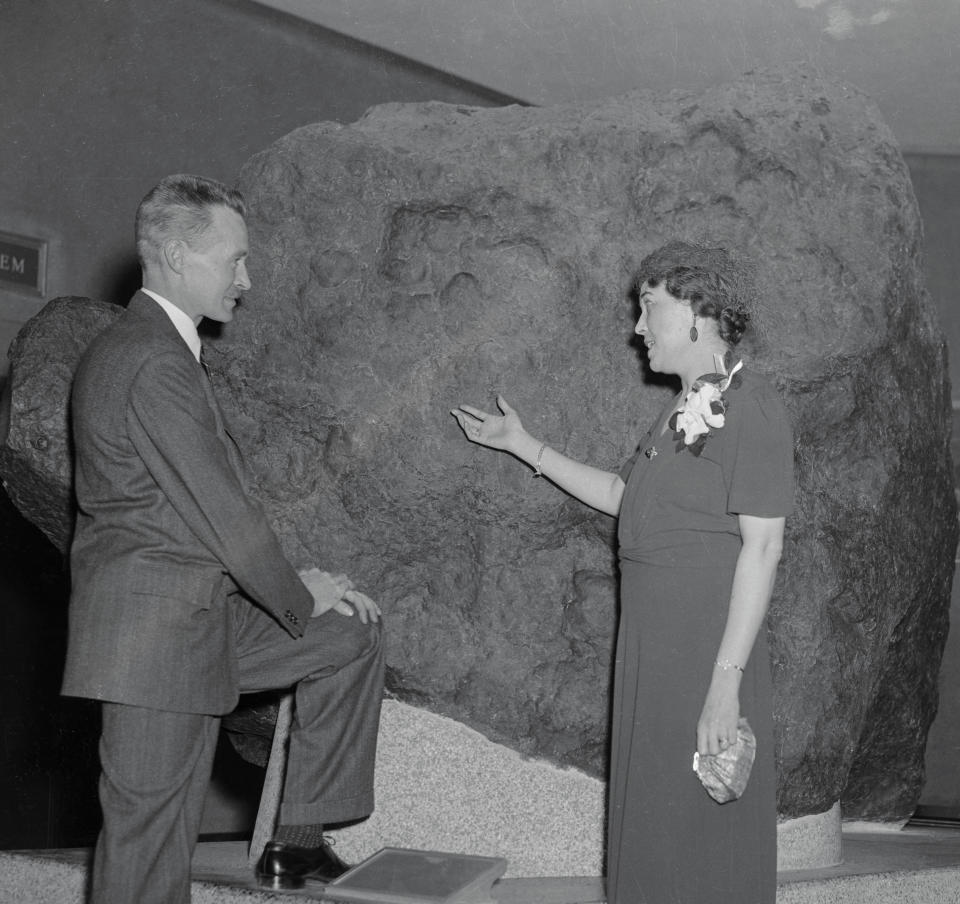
x=48 y=746
x=123 y=280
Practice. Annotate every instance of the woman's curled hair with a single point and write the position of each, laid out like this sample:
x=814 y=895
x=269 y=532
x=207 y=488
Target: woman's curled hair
x=714 y=284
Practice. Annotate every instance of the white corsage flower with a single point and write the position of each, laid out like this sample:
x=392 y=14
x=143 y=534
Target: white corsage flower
x=703 y=409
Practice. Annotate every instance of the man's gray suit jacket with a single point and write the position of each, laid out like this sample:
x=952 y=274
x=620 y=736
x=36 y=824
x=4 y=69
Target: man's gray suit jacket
x=166 y=528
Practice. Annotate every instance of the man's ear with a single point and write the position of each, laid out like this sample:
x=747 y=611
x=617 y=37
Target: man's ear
x=173 y=254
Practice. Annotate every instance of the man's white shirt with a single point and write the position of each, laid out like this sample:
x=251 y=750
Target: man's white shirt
x=181 y=320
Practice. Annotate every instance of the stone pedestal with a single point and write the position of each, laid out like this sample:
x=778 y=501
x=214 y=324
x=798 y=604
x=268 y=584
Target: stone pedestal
x=810 y=842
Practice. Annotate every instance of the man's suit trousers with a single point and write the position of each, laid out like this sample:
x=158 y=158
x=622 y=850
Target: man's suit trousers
x=156 y=764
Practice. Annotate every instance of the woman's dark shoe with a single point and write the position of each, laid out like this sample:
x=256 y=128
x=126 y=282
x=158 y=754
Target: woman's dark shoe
x=286 y=866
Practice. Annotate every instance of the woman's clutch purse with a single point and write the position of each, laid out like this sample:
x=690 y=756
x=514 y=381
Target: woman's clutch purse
x=725 y=774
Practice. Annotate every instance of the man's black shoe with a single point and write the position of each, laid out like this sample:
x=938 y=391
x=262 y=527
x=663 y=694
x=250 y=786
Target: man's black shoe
x=286 y=866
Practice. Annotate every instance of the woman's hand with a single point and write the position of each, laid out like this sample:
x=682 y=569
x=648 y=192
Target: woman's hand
x=498 y=431
x=601 y=489
x=717 y=728
x=749 y=597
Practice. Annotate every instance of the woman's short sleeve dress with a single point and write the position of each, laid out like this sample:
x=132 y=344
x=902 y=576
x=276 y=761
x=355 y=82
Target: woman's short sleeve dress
x=668 y=841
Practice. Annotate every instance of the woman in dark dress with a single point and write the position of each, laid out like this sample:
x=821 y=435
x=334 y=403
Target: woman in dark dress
x=701 y=507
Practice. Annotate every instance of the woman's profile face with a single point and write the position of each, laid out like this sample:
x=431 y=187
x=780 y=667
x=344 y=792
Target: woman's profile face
x=664 y=326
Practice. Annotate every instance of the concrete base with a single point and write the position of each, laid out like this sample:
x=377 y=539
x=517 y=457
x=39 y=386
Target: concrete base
x=913 y=866
x=810 y=842
x=442 y=786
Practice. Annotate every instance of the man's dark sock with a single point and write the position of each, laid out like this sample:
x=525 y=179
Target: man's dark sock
x=310 y=836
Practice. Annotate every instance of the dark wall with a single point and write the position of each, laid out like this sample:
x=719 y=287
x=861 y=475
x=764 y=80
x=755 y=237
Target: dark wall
x=48 y=744
x=936 y=182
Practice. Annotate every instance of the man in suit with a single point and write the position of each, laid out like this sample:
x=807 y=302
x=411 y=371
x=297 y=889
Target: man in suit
x=182 y=597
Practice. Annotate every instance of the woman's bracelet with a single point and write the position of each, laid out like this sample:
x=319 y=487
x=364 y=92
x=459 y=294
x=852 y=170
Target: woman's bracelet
x=538 y=471
x=728 y=666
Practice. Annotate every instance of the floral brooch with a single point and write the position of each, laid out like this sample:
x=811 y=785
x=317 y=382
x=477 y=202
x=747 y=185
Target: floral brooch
x=703 y=409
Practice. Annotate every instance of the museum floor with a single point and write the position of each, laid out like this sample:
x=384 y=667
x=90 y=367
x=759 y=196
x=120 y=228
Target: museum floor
x=918 y=865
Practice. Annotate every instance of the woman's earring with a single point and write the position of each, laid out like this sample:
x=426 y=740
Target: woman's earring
x=694 y=334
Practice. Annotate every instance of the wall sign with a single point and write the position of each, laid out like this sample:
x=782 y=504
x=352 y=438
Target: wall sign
x=23 y=263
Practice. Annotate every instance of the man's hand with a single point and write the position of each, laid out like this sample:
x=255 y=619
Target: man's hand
x=336 y=591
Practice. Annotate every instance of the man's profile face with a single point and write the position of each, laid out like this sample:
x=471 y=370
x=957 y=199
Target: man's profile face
x=215 y=271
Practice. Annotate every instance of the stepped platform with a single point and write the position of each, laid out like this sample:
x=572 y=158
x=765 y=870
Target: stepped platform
x=916 y=865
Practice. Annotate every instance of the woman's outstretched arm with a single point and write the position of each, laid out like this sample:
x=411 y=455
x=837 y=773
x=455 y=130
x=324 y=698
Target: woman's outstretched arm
x=602 y=490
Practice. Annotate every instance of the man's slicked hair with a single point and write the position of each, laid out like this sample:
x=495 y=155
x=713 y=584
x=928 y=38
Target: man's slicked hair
x=180 y=207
